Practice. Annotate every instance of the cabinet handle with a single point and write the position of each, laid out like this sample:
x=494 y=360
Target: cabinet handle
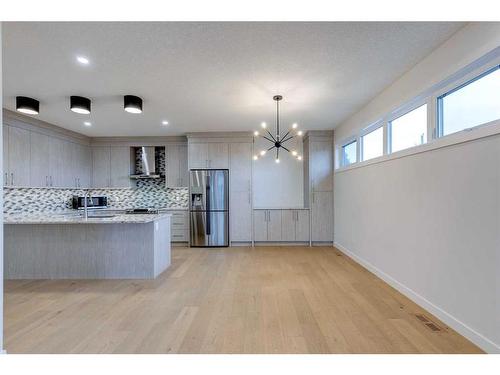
x=249 y=198
x=79 y=183
x=46 y=180
x=12 y=178
x=6 y=180
x=269 y=215
x=51 y=181
x=313 y=196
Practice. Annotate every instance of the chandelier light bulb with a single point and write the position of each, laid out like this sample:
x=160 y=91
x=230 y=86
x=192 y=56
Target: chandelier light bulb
x=277 y=160
x=299 y=132
x=294 y=153
x=263 y=125
x=299 y=157
x=256 y=133
x=255 y=157
x=262 y=153
x=294 y=126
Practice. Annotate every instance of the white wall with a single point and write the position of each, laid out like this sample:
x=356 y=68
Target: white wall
x=429 y=223
x=278 y=185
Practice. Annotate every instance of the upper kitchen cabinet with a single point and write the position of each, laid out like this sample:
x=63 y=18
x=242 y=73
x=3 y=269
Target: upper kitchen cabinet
x=198 y=155
x=111 y=166
x=321 y=165
x=176 y=165
x=101 y=167
x=17 y=156
x=39 y=160
x=120 y=166
x=208 y=155
x=240 y=166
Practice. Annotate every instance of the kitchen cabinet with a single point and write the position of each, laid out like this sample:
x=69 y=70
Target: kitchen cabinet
x=57 y=162
x=295 y=225
x=5 y=131
x=240 y=216
x=179 y=225
x=321 y=165
x=267 y=225
x=39 y=160
x=120 y=167
x=208 y=155
x=176 y=166
x=322 y=216
x=17 y=155
x=240 y=184
x=101 y=167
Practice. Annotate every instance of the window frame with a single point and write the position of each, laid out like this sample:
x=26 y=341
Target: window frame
x=456 y=86
x=370 y=129
x=402 y=112
x=346 y=143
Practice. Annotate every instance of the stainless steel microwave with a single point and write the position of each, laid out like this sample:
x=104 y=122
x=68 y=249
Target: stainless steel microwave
x=92 y=202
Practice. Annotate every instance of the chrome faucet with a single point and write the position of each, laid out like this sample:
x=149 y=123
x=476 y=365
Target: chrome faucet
x=85 y=206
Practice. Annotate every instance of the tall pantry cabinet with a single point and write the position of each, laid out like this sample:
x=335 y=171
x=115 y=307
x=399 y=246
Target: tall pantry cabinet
x=318 y=184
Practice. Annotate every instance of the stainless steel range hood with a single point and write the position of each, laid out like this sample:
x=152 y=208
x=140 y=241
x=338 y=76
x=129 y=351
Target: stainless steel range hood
x=147 y=165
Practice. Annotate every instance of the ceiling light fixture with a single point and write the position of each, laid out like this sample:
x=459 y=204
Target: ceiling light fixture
x=87 y=123
x=132 y=104
x=164 y=122
x=277 y=141
x=79 y=104
x=82 y=60
x=27 y=105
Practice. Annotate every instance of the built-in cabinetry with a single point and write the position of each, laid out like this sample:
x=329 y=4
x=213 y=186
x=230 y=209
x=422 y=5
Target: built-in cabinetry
x=213 y=155
x=16 y=156
x=36 y=159
x=111 y=166
x=281 y=225
x=318 y=183
x=179 y=225
x=240 y=191
x=177 y=173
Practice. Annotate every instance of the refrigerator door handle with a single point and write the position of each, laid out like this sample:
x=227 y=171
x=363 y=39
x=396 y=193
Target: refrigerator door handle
x=207 y=199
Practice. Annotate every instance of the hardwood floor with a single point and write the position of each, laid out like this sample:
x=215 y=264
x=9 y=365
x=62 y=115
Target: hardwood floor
x=235 y=300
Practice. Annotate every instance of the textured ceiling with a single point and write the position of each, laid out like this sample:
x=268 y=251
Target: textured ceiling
x=209 y=76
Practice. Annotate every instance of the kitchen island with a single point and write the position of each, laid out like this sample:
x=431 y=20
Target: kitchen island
x=102 y=246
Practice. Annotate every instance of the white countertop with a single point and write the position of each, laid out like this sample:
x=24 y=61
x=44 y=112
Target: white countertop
x=281 y=208
x=77 y=218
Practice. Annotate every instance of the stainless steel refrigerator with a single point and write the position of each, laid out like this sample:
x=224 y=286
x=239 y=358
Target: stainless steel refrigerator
x=209 y=207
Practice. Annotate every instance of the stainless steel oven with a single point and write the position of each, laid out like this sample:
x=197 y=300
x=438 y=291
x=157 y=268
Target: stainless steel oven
x=92 y=202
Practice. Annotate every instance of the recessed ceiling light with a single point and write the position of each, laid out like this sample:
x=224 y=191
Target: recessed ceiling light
x=82 y=60
x=164 y=122
x=132 y=104
x=87 y=123
x=27 y=105
x=79 y=104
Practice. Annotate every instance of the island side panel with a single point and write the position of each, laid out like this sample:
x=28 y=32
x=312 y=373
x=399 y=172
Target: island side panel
x=79 y=251
x=162 y=250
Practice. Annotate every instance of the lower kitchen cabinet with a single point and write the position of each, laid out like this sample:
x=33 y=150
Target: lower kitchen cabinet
x=267 y=225
x=322 y=216
x=240 y=225
x=295 y=225
x=179 y=230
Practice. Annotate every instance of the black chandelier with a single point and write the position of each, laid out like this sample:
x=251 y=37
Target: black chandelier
x=277 y=141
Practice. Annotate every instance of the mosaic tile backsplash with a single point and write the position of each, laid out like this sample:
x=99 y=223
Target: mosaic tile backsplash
x=148 y=194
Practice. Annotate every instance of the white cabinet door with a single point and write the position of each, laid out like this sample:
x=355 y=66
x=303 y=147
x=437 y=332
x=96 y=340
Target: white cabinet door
x=218 y=156
x=288 y=218
x=120 y=166
x=321 y=165
x=240 y=216
x=302 y=225
x=183 y=166
x=198 y=155
x=86 y=160
x=5 y=131
x=260 y=225
x=172 y=168
x=56 y=162
x=39 y=163
x=101 y=162
x=19 y=156
x=274 y=225
x=322 y=216
x=240 y=166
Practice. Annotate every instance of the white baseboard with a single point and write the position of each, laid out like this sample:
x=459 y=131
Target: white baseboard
x=478 y=339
